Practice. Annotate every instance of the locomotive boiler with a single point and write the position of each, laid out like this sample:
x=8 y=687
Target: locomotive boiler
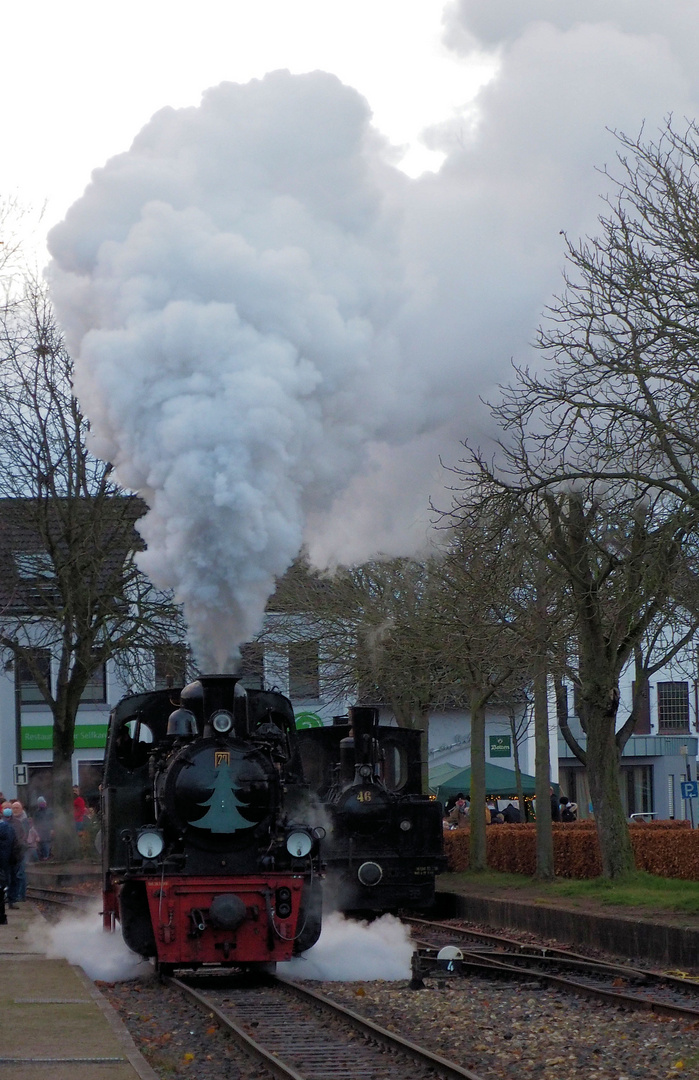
x=209 y=856
x=384 y=844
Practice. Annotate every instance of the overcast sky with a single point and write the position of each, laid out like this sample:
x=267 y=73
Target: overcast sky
x=79 y=79
x=379 y=305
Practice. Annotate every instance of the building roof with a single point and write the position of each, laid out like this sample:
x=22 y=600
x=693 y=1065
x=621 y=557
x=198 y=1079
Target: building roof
x=93 y=540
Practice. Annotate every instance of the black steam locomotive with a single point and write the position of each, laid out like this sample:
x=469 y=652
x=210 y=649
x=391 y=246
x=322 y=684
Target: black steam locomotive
x=384 y=842
x=208 y=854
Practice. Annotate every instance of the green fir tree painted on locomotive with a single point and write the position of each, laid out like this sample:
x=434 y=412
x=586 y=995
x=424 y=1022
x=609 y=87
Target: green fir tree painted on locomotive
x=210 y=851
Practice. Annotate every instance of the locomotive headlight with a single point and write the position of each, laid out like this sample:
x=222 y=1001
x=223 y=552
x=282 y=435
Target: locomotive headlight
x=149 y=844
x=365 y=771
x=298 y=844
x=405 y=825
x=222 y=721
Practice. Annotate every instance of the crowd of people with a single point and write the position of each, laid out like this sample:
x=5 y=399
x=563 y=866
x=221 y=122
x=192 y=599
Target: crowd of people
x=26 y=838
x=457 y=811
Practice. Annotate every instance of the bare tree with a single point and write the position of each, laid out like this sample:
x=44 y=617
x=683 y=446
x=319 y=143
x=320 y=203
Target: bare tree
x=377 y=628
x=478 y=612
x=72 y=589
x=601 y=448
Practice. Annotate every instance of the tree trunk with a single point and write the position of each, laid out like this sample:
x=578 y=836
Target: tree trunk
x=603 y=758
x=65 y=842
x=544 y=835
x=478 y=860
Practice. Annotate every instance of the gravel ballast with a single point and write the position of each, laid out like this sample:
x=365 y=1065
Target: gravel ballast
x=502 y=1031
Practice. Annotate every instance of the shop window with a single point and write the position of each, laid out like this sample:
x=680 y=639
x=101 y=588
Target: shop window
x=304 y=680
x=673 y=706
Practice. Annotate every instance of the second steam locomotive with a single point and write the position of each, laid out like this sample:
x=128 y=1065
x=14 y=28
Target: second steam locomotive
x=384 y=841
x=209 y=854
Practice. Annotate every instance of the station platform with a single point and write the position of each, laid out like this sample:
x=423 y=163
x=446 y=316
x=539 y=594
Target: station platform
x=660 y=939
x=53 y=1020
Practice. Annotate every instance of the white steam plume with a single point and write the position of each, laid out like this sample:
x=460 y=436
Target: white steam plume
x=348 y=950
x=227 y=287
x=277 y=334
x=81 y=940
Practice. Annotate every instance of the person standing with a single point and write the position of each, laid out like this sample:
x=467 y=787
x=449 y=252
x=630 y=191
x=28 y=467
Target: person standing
x=18 y=876
x=42 y=819
x=569 y=810
x=9 y=856
x=79 y=810
x=555 y=807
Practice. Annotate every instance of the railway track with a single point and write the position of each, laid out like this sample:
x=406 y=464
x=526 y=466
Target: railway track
x=298 y=1034
x=497 y=956
x=62 y=898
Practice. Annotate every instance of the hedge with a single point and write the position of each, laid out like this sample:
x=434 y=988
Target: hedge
x=667 y=848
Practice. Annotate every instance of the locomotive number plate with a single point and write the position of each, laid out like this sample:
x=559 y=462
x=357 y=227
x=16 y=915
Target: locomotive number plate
x=221 y=757
x=364 y=796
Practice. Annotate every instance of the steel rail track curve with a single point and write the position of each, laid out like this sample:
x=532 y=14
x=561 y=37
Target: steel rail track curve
x=512 y=958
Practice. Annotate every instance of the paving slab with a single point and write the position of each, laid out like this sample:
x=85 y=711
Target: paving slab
x=54 y=1023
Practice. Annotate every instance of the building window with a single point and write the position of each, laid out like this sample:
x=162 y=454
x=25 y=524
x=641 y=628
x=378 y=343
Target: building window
x=304 y=681
x=252 y=670
x=29 y=692
x=637 y=789
x=96 y=688
x=34 y=565
x=170 y=665
x=641 y=697
x=673 y=706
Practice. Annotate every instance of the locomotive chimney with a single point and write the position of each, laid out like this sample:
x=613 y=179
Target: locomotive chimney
x=214 y=693
x=364 y=721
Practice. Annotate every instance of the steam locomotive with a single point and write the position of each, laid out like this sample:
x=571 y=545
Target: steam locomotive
x=209 y=855
x=384 y=842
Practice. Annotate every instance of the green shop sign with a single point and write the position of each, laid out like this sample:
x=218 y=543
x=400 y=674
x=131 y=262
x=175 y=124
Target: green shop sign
x=307 y=720
x=87 y=736
x=500 y=746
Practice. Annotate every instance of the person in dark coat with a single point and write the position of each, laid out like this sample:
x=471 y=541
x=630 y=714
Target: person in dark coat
x=42 y=819
x=18 y=877
x=555 y=807
x=9 y=858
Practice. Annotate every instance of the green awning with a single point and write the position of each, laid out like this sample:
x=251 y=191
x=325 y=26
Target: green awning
x=441 y=774
x=499 y=783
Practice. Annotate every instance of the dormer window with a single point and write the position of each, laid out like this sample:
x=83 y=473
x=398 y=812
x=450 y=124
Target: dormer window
x=34 y=565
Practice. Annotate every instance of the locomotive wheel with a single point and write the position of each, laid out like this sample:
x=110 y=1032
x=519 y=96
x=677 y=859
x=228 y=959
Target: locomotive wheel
x=164 y=971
